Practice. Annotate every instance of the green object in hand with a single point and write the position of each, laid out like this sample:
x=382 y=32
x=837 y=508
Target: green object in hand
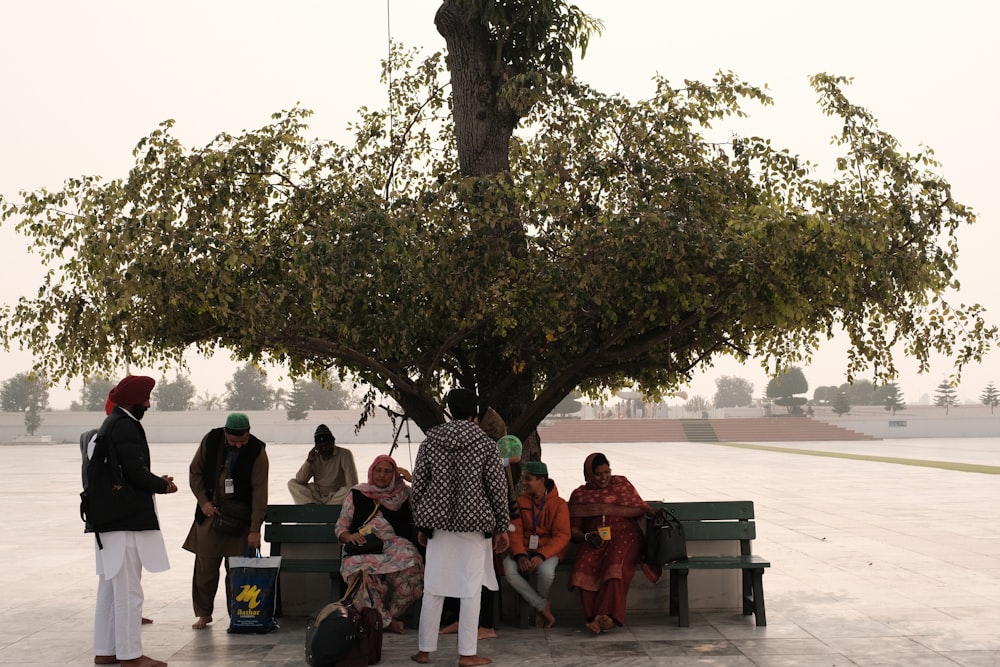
x=509 y=446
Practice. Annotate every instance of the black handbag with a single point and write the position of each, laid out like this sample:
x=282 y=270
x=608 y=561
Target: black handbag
x=665 y=541
x=373 y=543
x=233 y=517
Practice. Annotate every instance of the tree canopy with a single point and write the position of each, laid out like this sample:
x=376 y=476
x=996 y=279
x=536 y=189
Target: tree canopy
x=94 y=393
x=619 y=247
x=176 y=395
x=23 y=392
x=733 y=392
x=783 y=388
x=248 y=390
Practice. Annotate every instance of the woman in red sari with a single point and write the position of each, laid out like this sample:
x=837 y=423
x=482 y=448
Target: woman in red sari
x=604 y=518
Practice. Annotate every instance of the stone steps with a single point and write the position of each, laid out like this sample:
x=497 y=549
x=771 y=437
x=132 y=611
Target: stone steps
x=762 y=429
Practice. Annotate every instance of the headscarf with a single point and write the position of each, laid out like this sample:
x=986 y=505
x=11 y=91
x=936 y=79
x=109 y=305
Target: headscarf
x=392 y=497
x=619 y=498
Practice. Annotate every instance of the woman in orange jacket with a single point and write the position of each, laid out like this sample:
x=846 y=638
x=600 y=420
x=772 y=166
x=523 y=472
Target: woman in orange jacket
x=541 y=535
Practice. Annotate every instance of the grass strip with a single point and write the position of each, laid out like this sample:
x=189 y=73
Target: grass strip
x=943 y=465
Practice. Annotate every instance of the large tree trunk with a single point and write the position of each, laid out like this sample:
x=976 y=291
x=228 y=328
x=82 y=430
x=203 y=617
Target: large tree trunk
x=482 y=129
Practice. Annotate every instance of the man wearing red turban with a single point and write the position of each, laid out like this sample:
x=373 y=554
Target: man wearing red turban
x=126 y=545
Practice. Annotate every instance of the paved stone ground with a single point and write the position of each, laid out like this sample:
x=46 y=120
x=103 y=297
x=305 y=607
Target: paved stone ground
x=874 y=564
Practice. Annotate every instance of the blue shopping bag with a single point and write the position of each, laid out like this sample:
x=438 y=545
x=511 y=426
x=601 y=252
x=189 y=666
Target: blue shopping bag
x=253 y=593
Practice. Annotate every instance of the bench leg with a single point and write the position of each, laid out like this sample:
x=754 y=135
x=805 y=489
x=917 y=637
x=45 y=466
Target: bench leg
x=679 y=597
x=277 y=597
x=758 y=597
x=753 y=595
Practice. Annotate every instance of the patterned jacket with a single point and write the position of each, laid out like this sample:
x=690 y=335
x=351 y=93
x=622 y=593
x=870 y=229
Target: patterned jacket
x=458 y=481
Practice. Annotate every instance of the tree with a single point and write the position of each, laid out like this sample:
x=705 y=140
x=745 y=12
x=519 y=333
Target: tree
x=23 y=392
x=782 y=389
x=32 y=418
x=990 y=397
x=841 y=403
x=331 y=397
x=298 y=403
x=893 y=400
x=825 y=395
x=517 y=232
x=248 y=390
x=860 y=392
x=209 y=401
x=280 y=398
x=94 y=394
x=312 y=395
x=733 y=392
x=945 y=396
x=698 y=403
x=177 y=395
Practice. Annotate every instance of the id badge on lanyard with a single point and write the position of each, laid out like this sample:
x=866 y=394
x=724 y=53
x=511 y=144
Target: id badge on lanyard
x=230 y=485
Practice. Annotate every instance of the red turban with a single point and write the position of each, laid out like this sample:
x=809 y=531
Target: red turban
x=133 y=390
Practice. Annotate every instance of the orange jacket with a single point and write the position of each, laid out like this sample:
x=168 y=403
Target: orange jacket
x=553 y=524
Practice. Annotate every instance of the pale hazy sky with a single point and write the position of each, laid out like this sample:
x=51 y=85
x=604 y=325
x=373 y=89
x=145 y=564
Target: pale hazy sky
x=83 y=81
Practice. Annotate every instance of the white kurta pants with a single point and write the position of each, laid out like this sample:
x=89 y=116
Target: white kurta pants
x=118 y=614
x=458 y=565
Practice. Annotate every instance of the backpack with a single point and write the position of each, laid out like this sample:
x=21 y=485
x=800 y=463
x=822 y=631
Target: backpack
x=107 y=500
x=85 y=439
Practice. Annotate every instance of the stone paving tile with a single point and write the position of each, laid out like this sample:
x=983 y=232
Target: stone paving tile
x=856 y=578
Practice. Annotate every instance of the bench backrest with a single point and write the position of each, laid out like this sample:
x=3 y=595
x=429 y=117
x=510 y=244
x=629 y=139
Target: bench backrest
x=301 y=523
x=717 y=520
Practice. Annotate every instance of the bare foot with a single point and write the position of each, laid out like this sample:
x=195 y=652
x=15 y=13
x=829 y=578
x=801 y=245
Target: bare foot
x=396 y=626
x=202 y=622
x=594 y=626
x=472 y=660
x=607 y=623
x=423 y=657
x=548 y=620
x=484 y=633
x=449 y=629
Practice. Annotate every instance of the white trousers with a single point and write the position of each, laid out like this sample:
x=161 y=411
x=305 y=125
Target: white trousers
x=118 y=615
x=457 y=565
x=468 y=623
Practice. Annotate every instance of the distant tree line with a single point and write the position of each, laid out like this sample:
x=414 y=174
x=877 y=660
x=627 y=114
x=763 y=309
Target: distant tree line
x=247 y=390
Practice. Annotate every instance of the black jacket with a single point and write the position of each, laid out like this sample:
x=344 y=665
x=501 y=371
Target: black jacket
x=128 y=438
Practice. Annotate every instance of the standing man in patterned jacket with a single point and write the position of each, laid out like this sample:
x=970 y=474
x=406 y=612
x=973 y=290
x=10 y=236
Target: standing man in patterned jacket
x=460 y=505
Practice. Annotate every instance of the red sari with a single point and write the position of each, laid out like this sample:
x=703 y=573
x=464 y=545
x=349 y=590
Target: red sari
x=604 y=574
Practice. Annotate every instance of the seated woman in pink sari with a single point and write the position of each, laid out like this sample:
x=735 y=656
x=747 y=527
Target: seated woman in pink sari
x=382 y=506
x=604 y=519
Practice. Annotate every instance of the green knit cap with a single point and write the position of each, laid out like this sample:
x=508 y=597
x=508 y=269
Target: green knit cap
x=536 y=468
x=238 y=422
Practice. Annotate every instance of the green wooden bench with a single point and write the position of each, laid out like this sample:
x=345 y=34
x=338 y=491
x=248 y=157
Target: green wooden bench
x=301 y=525
x=716 y=522
x=724 y=521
